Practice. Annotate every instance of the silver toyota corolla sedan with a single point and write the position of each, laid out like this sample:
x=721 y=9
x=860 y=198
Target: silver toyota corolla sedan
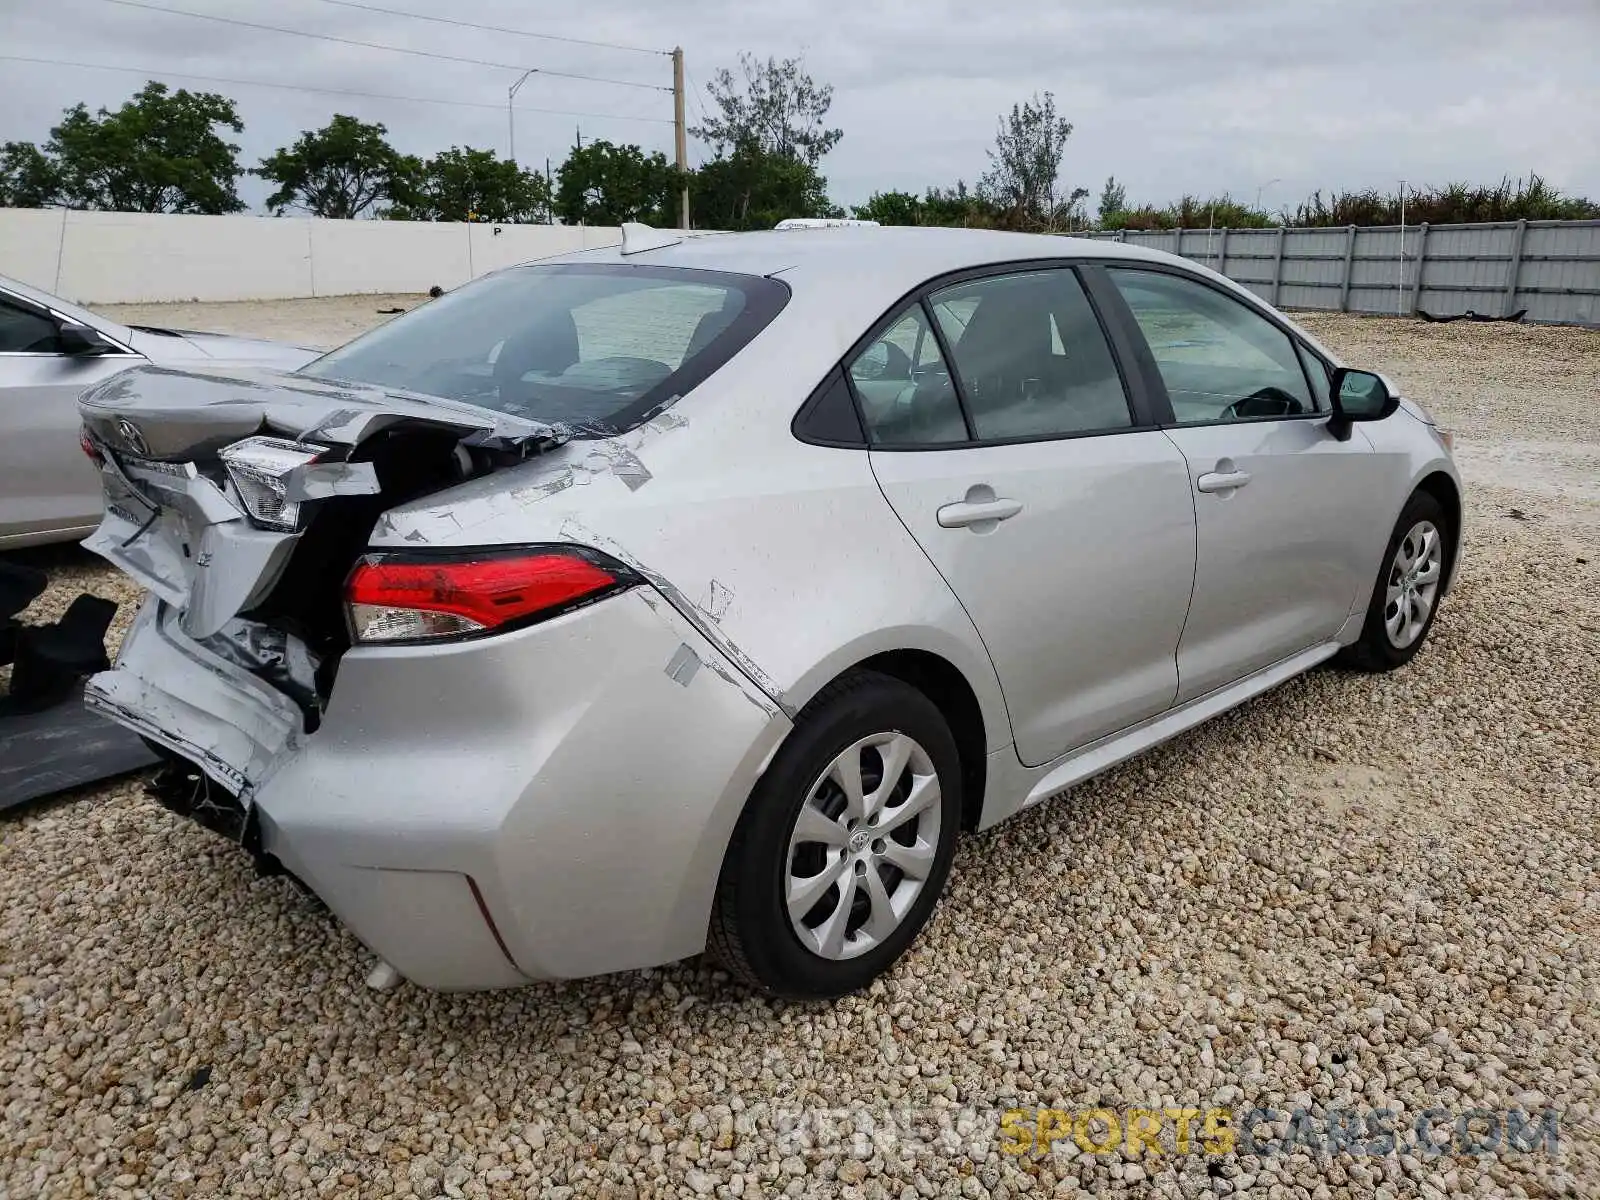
x=700 y=593
x=49 y=352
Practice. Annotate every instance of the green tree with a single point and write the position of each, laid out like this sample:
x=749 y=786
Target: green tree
x=1510 y=200
x=754 y=189
x=463 y=184
x=160 y=152
x=776 y=108
x=606 y=184
x=28 y=179
x=958 y=206
x=890 y=208
x=1023 y=180
x=1191 y=212
x=1113 y=200
x=342 y=170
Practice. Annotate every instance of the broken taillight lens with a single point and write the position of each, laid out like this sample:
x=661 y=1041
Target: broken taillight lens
x=258 y=468
x=86 y=444
x=405 y=597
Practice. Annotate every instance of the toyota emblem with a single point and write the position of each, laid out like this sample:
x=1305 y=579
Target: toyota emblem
x=129 y=432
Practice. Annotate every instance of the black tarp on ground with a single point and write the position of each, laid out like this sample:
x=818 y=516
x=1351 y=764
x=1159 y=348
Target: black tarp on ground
x=65 y=746
x=49 y=742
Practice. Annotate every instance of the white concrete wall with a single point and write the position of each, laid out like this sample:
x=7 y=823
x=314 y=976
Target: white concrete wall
x=133 y=258
x=30 y=245
x=385 y=256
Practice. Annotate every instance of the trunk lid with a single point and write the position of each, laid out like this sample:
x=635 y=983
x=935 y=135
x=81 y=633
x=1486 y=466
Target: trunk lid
x=175 y=520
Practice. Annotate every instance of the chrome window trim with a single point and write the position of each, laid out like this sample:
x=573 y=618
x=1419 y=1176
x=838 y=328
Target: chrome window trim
x=60 y=318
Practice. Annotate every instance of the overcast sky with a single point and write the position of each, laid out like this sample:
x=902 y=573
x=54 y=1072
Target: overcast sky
x=1171 y=96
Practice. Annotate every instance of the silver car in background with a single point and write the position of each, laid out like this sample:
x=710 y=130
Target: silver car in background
x=699 y=593
x=50 y=351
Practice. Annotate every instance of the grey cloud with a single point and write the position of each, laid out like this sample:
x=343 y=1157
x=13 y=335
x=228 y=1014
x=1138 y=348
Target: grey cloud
x=1173 y=96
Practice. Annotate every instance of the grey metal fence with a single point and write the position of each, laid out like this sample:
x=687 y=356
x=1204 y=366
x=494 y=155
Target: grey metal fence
x=1550 y=268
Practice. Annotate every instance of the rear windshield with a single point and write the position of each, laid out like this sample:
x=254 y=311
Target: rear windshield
x=595 y=347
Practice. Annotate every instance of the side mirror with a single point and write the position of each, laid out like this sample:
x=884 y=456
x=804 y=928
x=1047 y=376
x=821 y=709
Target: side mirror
x=76 y=339
x=1358 y=396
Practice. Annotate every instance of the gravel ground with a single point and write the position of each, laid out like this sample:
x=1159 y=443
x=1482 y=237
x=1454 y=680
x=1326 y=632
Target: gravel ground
x=1355 y=892
x=322 y=323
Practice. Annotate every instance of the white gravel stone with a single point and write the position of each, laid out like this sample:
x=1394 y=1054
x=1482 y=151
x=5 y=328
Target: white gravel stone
x=1356 y=891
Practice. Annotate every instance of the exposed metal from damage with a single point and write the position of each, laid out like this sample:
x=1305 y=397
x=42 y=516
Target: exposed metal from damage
x=717 y=601
x=318 y=481
x=683 y=664
x=272 y=654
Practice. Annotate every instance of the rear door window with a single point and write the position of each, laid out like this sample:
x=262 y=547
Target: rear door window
x=595 y=348
x=1031 y=357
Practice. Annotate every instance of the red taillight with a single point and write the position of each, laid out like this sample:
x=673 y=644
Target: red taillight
x=413 y=597
x=89 y=448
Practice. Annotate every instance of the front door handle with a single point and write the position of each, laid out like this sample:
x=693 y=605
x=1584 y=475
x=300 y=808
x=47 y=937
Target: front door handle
x=1222 y=481
x=978 y=512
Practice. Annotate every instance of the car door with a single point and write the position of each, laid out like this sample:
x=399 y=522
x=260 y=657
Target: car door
x=1003 y=436
x=1285 y=510
x=47 y=485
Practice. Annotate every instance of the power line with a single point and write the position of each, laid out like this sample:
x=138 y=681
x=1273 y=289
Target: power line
x=329 y=37
x=549 y=37
x=295 y=87
x=694 y=91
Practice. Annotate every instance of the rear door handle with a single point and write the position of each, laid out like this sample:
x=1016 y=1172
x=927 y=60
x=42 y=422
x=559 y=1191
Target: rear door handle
x=975 y=512
x=1222 y=481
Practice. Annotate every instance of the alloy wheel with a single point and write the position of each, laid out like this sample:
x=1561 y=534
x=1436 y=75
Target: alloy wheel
x=1413 y=584
x=862 y=846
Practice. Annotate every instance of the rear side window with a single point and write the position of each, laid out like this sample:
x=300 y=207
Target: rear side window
x=903 y=384
x=1031 y=357
x=597 y=348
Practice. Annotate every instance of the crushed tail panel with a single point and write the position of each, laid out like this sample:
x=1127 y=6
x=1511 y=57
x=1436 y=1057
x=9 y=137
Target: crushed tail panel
x=174 y=520
x=234 y=726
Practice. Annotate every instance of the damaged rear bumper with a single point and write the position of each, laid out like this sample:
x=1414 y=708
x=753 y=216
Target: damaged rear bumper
x=550 y=803
x=176 y=692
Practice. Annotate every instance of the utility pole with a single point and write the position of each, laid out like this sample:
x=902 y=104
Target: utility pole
x=680 y=136
x=511 y=114
x=1400 y=287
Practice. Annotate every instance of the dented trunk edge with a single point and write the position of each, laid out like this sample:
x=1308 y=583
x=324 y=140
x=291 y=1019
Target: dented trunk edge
x=175 y=522
x=172 y=413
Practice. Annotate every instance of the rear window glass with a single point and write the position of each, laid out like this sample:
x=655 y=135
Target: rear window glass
x=597 y=348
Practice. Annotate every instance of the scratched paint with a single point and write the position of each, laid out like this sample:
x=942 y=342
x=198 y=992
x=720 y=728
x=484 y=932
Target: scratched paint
x=573 y=530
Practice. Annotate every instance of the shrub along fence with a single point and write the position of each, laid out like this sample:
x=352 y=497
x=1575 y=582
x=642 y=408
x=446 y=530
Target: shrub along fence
x=1549 y=268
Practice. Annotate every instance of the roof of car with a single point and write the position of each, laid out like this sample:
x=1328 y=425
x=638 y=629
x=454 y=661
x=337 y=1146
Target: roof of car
x=895 y=256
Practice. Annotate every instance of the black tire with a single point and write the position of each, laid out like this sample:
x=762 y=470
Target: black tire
x=1374 y=650
x=751 y=933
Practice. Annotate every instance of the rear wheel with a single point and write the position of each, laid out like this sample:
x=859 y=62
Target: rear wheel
x=1405 y=597
x=845 y=845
